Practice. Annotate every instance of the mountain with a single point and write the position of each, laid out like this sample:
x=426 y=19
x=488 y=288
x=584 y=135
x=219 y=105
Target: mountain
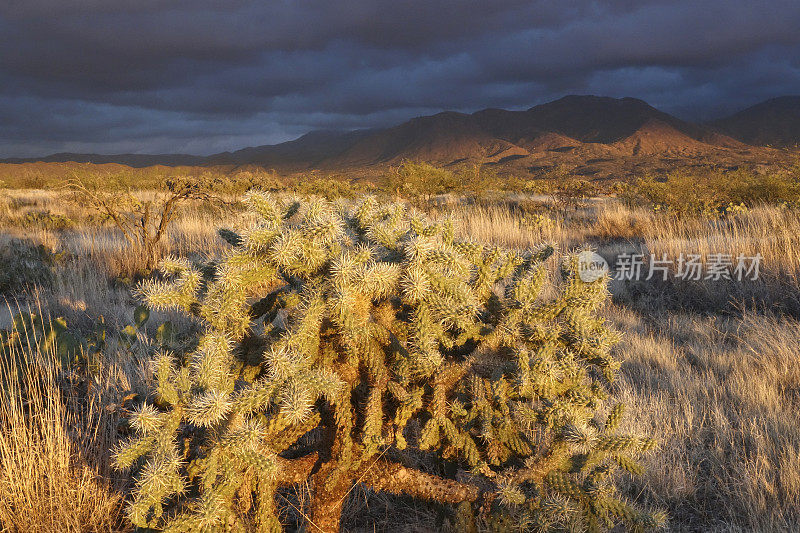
x=594 y=136
x=442 y=138
x=131 y=160
x=588 y=119
x=589 y=125
x=304 y=151
x=775 y=122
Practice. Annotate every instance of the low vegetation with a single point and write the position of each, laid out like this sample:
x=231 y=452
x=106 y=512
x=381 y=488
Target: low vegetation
x=55 y=428
x=712 y=192
x=708 y=368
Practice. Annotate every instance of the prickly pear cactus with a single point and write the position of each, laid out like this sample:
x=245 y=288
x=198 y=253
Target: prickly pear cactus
x=335 y=340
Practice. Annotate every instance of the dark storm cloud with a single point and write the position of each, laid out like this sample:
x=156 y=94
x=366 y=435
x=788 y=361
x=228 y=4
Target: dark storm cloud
x=201 y=76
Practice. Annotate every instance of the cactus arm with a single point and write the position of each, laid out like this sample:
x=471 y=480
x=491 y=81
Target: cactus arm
x=395 y=478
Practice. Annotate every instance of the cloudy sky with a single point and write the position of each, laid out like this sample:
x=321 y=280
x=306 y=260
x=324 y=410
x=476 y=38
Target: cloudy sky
x=202 y=76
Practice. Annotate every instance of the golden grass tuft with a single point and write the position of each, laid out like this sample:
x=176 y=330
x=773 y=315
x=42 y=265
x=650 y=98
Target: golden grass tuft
x=55 y=473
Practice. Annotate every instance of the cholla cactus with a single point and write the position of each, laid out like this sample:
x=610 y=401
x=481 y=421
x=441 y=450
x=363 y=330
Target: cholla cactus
x=378 y=331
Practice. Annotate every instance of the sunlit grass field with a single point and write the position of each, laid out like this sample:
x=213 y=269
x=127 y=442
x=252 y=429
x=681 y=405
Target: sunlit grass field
x=711 y=369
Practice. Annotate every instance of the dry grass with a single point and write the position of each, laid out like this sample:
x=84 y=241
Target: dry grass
x=616 y=221
x=721 y=395
x=716 y=383
x=769 y=230
x=54 y=440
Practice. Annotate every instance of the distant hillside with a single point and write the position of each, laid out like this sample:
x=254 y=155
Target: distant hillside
x=588 y=119
x=775 y=122
x=591 y=135
x=305 y=151
x=610 y=127
x=131 y=160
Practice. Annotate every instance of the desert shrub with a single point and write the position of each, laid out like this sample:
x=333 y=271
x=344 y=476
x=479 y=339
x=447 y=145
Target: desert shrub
x=46 y=220
x=142 y=220
x=571 y=192
x=482 y=181
x=714 y=192
x=378 y=334
x=240 y=180
x=479 y=183
x=750 y=188
x=329 y=188
x=412 y=179
x=539 y=186
x=528 y=206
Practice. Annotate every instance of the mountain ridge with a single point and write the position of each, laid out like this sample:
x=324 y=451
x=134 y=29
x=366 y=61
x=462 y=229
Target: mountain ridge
x=773 y=122
x=596 y=127
x=583 y=131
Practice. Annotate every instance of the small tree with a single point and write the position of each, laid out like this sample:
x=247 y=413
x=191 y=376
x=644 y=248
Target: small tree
x=379 y=332
x=142 y=221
